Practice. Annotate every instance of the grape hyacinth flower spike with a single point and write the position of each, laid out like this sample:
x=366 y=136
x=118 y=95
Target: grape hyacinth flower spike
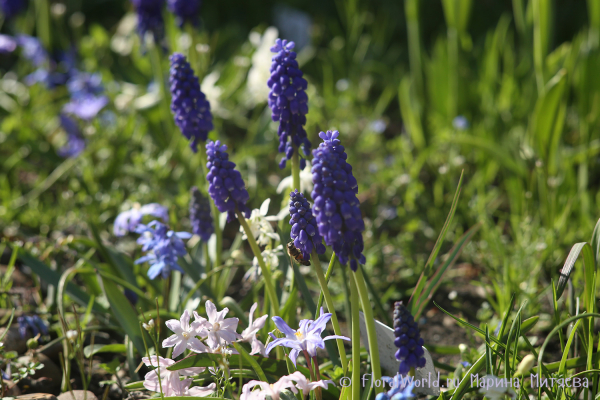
x=336 y=207
x=288 y=101
x=150 y=19
x=189 y=104
x=200 y=216
x=226 y=186
x=185 y=11
x=163 y=246
x=10 y=8
x=305 y=233
x=408 y=340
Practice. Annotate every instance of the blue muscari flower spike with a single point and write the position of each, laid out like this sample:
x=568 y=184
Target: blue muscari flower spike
x=131 y=296
x=408 y=340
x=288 y=101
x=185 y=10
x=335 y=204
x=163 y=247
x=305 y=233
x=31 y=323
x=10 y=8
x=75 y=141
x=200 y=216
x=188 y=103
x=226 y=186
x=150 y=19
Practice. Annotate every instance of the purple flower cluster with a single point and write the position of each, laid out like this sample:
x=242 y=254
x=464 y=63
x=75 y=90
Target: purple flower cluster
x=163 y=247
x=150 y=18
x=288 y=101
x=10 y=8
x=185 y=10
x=200 y=216
x=75 y=141
x=305 y=233
x=336 y=207
x=226 y=186
x=34 y=324
x=408 y=340
x=189 y=104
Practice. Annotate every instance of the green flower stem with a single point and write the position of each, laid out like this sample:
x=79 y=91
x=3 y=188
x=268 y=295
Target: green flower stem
x=370 y=323
x=355 y=339
x=296 y=170
x=330 y=306
x=42 y=11
x=264 y=269
x=327 y=276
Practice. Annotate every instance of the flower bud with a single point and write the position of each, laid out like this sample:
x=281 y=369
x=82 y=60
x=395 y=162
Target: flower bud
x=33 y=343
x=525 y=365
x=71 y=335
x=149 y=326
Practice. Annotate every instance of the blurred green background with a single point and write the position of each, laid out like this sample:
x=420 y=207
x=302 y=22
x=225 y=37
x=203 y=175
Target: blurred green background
x=391 y=76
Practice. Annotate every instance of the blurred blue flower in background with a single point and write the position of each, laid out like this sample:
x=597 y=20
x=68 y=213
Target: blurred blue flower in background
x=86 y=107
x=32 y=49
x=10 y=8
x=185 y=11
x=7 y=44
x=34 y=324
x=75 y=141
x=150 y=18
x=128 y=221
x=460 y=123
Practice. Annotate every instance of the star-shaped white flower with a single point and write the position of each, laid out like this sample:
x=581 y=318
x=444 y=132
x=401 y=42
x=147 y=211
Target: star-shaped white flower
x=220 y=329
x=272 y=390
x=306 y=183
x=271 y=258
x=249 y=334
x=260 y=226
x=185 y=334
x=169 y=380
x=303 y=384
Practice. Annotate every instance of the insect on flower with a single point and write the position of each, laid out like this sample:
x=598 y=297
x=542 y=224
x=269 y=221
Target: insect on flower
x=296 y=254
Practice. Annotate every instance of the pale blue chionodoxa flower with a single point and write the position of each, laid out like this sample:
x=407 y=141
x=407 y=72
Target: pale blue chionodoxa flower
x=306 y=338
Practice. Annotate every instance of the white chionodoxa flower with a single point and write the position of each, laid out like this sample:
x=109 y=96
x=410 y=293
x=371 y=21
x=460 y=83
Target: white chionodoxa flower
x=249 y=334
x=169 y=380
x=185 y=334
x=306 y=183
x=260 y=226
x=271 y=258
x=291 y=382
x=260 y=71
x=220 y=330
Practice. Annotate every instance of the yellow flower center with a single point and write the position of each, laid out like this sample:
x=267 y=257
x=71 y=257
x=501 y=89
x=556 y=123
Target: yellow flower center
x=216 y=326
x=299 y=335
x=186 y=335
